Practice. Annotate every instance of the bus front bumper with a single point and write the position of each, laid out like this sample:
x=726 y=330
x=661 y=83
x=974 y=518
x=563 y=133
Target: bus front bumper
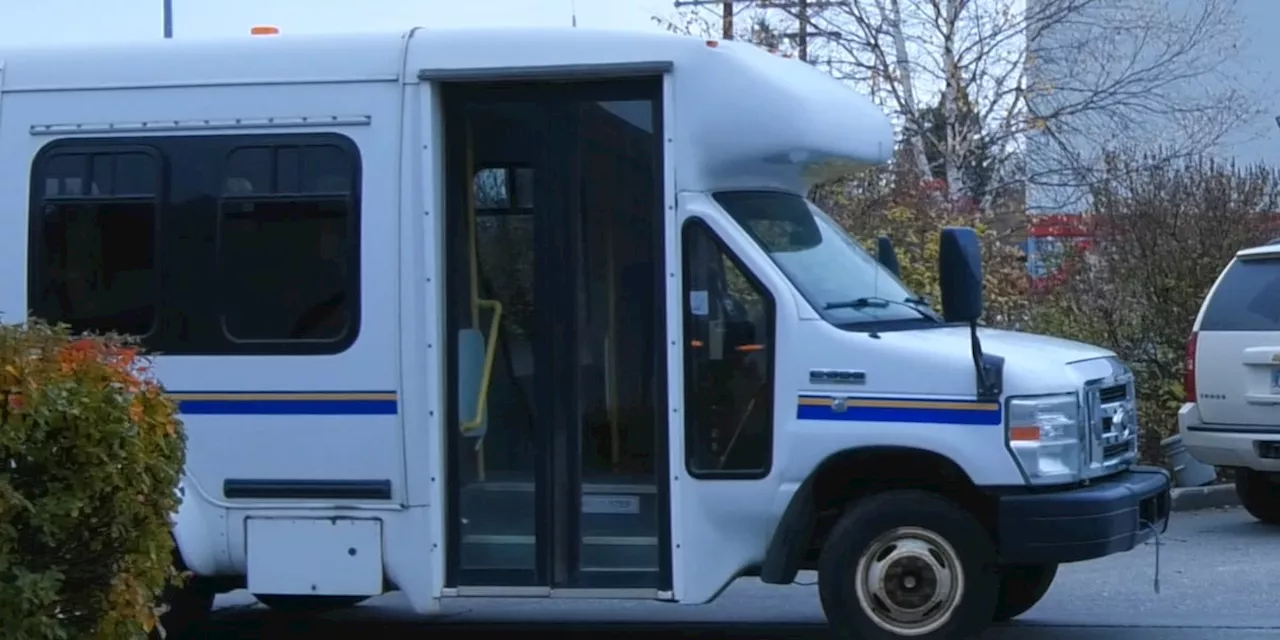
x=1109 y=516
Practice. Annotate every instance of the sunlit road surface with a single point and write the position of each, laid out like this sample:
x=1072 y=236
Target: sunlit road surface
x=1219 y=580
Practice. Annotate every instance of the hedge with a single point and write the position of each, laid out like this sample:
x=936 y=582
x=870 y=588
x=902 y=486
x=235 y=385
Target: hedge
x=91 y=452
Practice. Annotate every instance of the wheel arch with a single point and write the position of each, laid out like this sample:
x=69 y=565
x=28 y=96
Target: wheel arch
x=197 y=532
x=850 y=474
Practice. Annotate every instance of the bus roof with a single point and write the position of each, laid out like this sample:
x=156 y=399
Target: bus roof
x=742 y=116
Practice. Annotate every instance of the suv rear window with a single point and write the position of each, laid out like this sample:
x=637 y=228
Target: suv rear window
x=1247 y=299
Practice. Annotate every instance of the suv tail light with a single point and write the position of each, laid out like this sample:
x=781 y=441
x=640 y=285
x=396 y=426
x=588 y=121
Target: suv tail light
x=1189 y=377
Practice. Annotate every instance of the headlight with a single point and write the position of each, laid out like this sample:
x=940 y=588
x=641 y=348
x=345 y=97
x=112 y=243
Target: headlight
x=1046 y=435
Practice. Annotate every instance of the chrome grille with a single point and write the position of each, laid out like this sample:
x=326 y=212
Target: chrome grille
x=1112 y=412
x=1113 y=393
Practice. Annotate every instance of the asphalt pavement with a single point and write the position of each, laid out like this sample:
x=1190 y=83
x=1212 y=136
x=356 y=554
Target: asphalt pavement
x=1219 y=579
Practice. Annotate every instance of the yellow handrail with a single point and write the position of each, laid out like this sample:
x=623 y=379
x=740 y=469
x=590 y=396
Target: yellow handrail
x=491 y=341
x=490 y=348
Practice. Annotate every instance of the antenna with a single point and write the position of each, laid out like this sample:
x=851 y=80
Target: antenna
x=167 y=16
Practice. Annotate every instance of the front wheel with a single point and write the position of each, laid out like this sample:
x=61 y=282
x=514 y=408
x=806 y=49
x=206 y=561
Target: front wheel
x=1259 y=495
x=1021 y=587
x=908 y=564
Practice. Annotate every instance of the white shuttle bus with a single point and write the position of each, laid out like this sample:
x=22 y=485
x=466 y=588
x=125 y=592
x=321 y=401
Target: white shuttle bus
x=546 y=313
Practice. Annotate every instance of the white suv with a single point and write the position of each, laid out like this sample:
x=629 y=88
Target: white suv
x=1232 y=417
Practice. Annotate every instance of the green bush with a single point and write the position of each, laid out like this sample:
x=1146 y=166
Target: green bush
x=1163 y=231
x=90 y=455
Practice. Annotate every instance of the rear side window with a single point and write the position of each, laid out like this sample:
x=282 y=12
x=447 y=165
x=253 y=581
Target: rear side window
x=1247 y=299
x=94 y=223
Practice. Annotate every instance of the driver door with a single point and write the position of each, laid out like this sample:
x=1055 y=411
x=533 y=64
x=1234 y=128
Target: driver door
x=724 y=483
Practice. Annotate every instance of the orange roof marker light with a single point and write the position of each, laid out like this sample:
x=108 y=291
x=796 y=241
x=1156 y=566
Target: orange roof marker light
x=264 y=30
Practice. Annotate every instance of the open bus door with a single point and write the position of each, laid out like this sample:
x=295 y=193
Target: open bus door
x=555 y=317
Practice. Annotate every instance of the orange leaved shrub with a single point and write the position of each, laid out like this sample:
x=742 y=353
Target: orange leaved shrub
x=91 y=451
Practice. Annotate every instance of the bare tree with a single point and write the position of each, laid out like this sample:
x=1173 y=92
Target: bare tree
x=1053 y=83
x=1122 y=73
x=1162 y=231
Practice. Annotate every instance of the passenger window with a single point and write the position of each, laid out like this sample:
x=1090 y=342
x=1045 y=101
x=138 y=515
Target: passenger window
x=95 y=241
x=729 y=357
x=288 y=253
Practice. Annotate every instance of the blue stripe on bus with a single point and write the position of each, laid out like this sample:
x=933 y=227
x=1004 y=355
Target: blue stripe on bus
x=872 y=409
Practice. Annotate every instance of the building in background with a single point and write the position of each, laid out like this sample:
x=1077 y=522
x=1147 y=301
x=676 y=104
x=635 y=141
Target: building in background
x=1151 y=93
x=1169 y=79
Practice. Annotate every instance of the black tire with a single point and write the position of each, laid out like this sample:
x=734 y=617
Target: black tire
x=308 y=605
x=1259 y=495
x=927 y=522
x=188 y=608
x=1021 y=587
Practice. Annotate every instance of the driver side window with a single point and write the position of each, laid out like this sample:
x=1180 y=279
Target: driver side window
x=729 y=361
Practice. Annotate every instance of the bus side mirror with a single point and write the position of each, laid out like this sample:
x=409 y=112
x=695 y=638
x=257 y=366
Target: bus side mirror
x=887 y=257
x=960 y=274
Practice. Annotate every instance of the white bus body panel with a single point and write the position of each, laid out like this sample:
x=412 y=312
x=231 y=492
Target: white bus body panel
x=366 y=87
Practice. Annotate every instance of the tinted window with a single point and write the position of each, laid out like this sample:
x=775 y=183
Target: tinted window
x=203 y=244
x=286 y=244
x=1247 y=299
x=504 y=243
x=729 y=352
x=94 y=235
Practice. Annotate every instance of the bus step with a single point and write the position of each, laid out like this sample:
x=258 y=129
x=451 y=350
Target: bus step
x=625 y=510
x=599 y=553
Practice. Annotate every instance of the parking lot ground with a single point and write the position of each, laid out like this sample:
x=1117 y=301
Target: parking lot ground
x=1218 y=569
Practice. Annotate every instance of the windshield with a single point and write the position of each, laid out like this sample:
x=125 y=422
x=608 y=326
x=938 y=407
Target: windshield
x=842 y=282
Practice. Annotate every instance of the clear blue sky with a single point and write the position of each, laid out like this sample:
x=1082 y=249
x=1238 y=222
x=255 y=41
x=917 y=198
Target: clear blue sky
x=54 y=21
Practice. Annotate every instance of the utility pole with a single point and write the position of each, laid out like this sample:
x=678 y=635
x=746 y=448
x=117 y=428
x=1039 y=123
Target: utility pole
x=168 y=18
x=802 y=11
x=802 y=34
x=726 y=13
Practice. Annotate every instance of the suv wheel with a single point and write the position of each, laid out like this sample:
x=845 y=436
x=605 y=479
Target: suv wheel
x=1259 y=494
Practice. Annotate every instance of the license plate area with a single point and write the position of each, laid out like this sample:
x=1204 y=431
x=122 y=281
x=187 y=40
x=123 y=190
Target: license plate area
x=1268 y=449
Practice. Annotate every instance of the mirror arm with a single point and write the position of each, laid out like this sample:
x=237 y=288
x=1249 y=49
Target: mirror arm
x=975 y=346
x=988 y=367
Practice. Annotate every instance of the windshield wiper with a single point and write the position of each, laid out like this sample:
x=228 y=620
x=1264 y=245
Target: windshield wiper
x=914 y=304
